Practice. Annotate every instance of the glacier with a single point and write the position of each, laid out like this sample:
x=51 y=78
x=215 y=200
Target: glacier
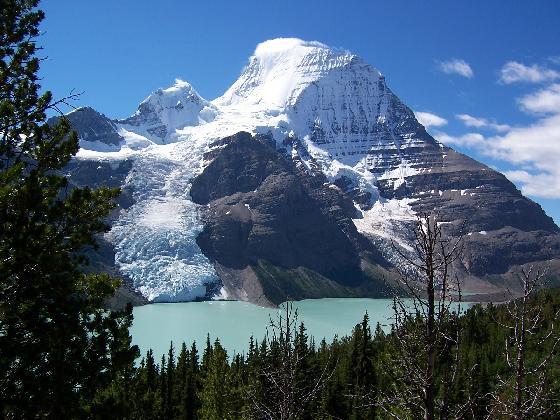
x=326 y=106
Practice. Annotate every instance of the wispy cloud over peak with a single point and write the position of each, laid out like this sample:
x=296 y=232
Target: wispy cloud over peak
x=543 y=185
x=464 y=140
x=532 y=151
x=515 y=72
x=427 y=119
x=457 y=66
x=477 y=122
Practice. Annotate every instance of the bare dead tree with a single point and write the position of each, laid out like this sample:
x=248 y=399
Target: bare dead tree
x=426 y=329
x=285 y=397
x=526 y=394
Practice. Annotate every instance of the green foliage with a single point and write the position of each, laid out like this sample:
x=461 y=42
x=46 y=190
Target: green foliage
x=216 y=385
x=60 y=351
x=222 y=387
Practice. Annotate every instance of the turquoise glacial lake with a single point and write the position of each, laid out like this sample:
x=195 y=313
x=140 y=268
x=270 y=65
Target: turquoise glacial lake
x=156 y=325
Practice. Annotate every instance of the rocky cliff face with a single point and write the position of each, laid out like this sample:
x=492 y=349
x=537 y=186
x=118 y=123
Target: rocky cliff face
x=95 y=128
x=298 y=182
x=260 y=209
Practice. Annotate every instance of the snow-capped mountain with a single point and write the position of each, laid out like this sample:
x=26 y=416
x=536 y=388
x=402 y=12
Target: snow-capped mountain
x=336 y=169
x=166 y=110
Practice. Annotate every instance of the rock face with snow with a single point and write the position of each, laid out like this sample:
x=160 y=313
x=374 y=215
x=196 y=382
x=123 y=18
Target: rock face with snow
x=298 y=181
x=166 y=110
x=264 y=211
x=95 y=129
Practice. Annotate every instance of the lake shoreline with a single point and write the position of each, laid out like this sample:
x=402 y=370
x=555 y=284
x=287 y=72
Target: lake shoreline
x=234 y=322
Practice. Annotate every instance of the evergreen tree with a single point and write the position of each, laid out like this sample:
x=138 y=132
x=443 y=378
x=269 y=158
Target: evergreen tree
x=169 y=400
x=237 y=384
x=253 y=394
x=191 y=396
x=147 y=402
x=181 y=377
x=216 y=386
x=151 y=371
x=363 y=372
x=58 y=347
x=206 y=356
x=163 y=380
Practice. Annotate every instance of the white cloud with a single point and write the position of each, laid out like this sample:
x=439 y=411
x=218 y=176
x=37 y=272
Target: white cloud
x=457 y=66
x=513 y=72
x=544 y=101
x=538 y=185
x=537 y=145
x=533 y=150
x=465 y=140
x=476 y=122
x=427 y=119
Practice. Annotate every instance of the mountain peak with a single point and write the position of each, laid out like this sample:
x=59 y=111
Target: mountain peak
x=285 y=46
x=179 y=86
x=345 y=144
x=280 y=69
x=179 y=93
x=166 y=110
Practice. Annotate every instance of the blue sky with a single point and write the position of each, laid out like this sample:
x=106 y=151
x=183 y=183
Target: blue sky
x=489 y=70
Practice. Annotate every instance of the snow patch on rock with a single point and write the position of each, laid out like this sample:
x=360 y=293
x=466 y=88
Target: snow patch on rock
x=386 y=218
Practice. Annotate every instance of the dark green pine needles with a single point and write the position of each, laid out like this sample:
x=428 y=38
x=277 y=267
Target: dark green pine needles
x=59 y=350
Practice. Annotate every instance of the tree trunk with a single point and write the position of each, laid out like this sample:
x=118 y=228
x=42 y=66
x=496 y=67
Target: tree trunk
x=430 y=393
x=520 y=371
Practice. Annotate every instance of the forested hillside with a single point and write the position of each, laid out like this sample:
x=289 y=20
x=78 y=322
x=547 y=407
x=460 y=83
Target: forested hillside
x=351 y=378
